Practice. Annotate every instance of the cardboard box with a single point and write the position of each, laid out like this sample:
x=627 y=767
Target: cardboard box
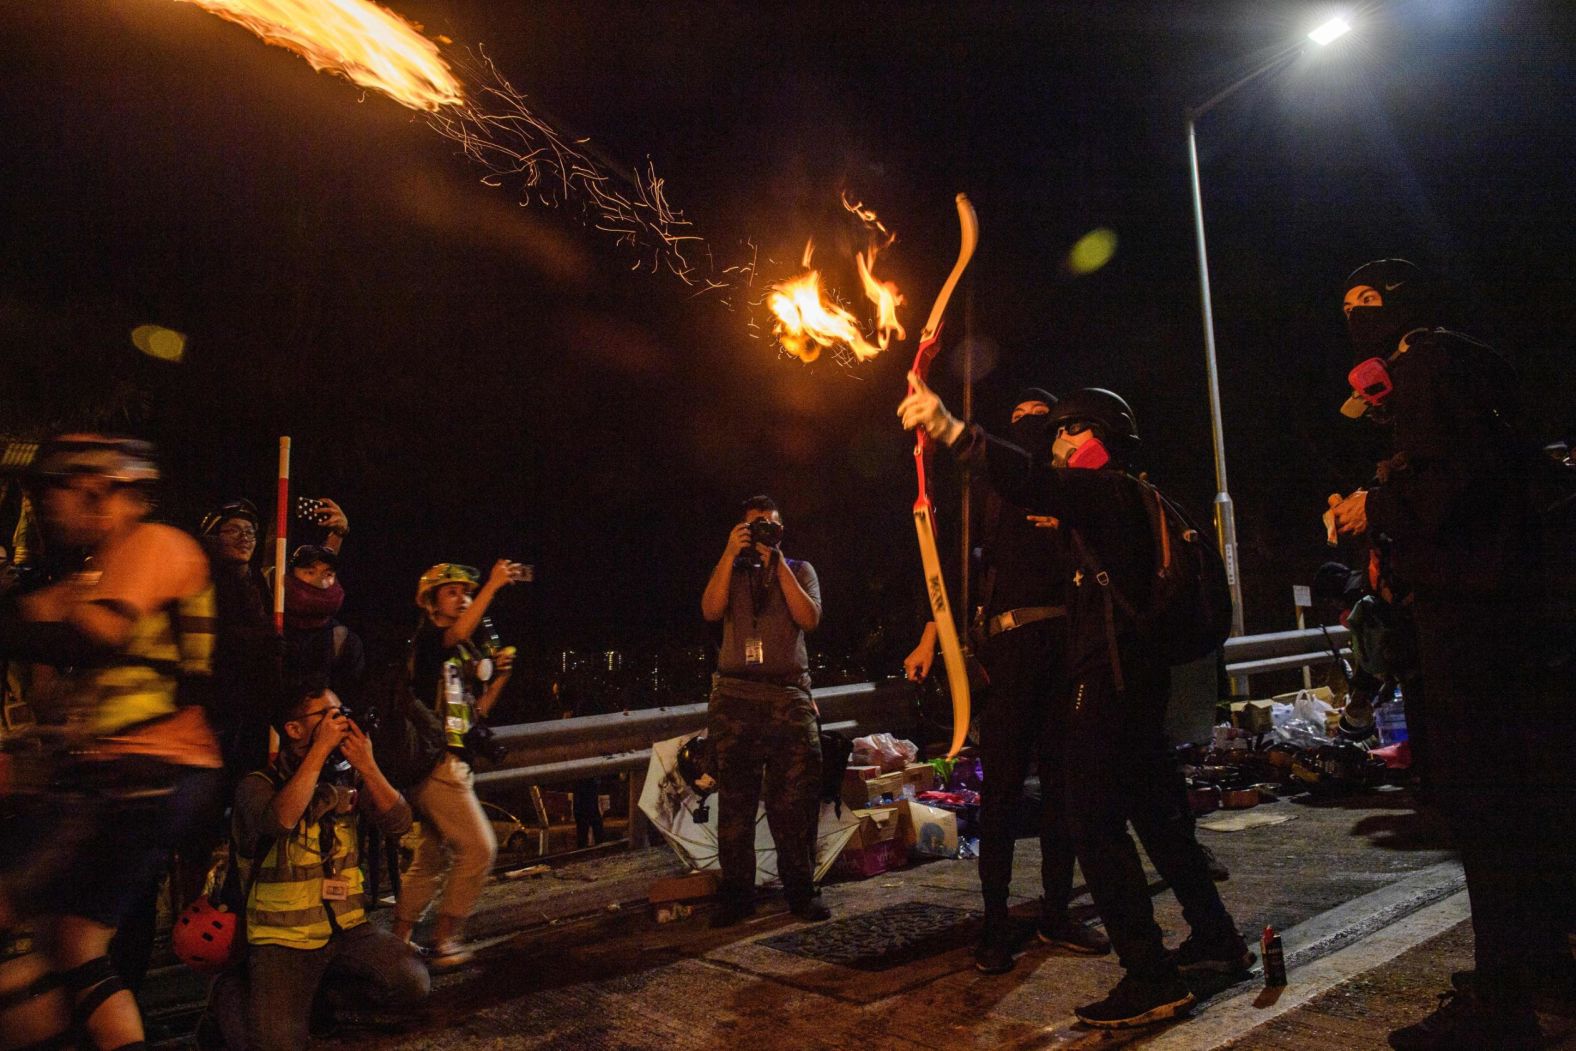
x=861 y=794
x=861 y=863
x=922 y=776
x=876 y=825
x=1256 y=717
x=861 y=773
x=692 y=887
x=929 y=830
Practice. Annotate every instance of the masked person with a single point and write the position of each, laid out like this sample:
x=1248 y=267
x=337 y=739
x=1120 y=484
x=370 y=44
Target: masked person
x=318 y=648
x=462 y=680
x=1116 y=765
x=1023 y=600
x=1457 y=504
x=130 y=631
x=296 y=829
x=761 y=719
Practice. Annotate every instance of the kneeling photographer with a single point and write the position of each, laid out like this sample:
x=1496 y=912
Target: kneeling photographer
x=761 y=719
x=461 y=677
x=296 y=825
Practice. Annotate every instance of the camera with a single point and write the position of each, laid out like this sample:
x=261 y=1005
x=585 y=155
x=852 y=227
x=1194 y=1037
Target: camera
x=481 y=742
x=765 y=531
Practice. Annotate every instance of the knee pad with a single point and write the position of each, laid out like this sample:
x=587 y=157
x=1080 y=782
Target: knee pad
x=89 y=985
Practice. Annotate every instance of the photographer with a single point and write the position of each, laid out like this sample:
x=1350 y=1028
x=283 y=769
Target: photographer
x=762 y=718
x=462 y=680
x=296 y=827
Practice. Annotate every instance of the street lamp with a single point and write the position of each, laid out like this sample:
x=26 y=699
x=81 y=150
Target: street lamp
x=1225 y=515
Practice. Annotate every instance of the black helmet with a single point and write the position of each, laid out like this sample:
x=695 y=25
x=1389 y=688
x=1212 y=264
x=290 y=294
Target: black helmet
x=224 y=512
x=1101 y=407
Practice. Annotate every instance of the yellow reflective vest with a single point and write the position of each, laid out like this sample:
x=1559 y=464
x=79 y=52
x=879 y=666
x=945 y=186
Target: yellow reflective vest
x=139 y=683
x=286 y=904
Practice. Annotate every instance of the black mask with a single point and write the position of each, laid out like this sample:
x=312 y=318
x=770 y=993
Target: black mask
x=1377 y=331
x=1033 y=434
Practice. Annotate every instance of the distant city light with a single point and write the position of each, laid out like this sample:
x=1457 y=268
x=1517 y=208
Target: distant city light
x=1331 y=30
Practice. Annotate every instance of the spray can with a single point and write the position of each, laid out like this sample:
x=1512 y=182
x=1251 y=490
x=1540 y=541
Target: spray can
x=1274 y=956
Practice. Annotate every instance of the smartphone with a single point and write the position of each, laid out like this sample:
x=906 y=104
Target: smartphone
x=309 y=509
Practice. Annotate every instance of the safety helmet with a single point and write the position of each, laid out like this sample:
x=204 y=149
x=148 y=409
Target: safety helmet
x=1098 y=406
x=204 y=936
x=446 y=573
x=126 y=461
x=224 y=512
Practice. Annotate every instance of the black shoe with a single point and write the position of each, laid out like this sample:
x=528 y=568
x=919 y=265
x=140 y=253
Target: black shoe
x=1461 y=1021
x=1066 y=933
x=731 y=911
x=998 y=948
x=1220 y=955
x=1553 y=990
x=811 y=910
x=1139 y=1001
x=1217 y=872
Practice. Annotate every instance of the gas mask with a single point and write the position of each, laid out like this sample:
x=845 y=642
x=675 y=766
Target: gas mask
x=1091 y=455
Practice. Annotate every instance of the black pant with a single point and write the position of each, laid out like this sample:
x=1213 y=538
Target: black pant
x=1501 y=733
x=1118 y=769
x=1023 y=721
x=588 y=814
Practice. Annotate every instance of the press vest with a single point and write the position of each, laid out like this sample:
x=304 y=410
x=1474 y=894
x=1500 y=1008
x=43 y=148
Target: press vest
x=286 y=905
x=139 y=683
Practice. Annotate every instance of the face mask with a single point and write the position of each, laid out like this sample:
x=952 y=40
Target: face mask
x=1091 y=455
x=310 y=607
x=1031 y=433
x=1375 y=331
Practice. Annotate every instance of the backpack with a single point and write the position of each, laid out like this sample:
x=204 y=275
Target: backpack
x=1188 y=612
x=408 y=740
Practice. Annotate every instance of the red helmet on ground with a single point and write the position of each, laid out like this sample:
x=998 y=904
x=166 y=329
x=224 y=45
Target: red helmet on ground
x=204 y=936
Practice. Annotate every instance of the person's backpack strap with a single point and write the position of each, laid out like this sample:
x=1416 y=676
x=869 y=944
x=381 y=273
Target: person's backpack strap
x=1110 y=598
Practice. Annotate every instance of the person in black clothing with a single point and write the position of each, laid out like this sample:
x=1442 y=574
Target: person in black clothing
x=318 y=648
x=1457 y=504
x=1117 y=767
x=246 y=679
x=1024 y=624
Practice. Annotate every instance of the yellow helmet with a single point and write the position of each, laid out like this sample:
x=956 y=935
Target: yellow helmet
x=446 y=573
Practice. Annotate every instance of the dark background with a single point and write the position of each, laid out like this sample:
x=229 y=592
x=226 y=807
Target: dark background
x=470 y=378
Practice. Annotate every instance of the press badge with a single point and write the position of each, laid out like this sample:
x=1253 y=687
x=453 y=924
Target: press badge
x=754 y=651
x=335 y=888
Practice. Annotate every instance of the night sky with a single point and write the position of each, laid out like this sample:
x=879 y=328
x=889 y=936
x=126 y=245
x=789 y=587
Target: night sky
x=471 y=378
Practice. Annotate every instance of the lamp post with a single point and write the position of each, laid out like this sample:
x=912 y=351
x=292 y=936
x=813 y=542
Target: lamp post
x=1225 y=514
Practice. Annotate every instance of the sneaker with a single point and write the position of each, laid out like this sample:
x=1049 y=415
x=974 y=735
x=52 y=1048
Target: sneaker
x=1066 y=933
x=998 y=949
x=1553 y=990
x=811 y=910
x=449 y=954
x=1139 y=1001
x=1461 y=1021
x=731 y=911
x=1228 y=955
x=1217 y=872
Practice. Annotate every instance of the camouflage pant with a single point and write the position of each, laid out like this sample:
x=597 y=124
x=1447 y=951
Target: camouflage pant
x=777 y=737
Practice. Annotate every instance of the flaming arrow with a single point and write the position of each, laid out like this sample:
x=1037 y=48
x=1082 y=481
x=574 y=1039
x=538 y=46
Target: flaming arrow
x=924 y=510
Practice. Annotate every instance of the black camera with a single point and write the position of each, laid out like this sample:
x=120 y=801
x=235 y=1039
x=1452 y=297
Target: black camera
x=480 y=741
x=765 y=531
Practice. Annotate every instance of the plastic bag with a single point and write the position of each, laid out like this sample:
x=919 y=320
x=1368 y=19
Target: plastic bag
x=1302 y=723
x=885 y=751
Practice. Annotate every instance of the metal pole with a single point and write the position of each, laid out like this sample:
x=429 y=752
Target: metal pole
x=1225 y=515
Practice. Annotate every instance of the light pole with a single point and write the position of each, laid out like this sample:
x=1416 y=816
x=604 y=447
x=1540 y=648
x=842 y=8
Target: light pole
x=1225 y=515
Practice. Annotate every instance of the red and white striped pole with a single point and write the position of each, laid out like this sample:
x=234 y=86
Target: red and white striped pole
x=281 y=529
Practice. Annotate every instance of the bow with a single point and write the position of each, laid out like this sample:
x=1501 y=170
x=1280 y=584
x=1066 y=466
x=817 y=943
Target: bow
x=925 y=511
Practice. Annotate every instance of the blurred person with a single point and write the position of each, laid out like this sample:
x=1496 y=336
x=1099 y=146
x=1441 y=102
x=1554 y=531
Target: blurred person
x=296 y=828
x=585 y=794
x=130 y=630
x=1118 y=767
x=1462 y=504
x=1023 y=624
x=461 y=680
x=761 y=719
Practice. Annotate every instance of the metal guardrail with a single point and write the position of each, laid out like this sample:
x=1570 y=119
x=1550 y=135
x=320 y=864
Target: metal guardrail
x=600 y=745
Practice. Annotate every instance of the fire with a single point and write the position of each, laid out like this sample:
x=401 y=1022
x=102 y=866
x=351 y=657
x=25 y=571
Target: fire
x=808 y=321
x=360 y=40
